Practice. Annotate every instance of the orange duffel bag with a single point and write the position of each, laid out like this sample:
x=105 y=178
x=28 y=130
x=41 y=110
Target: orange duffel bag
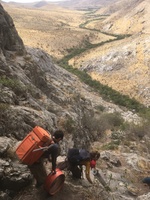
x=30 y=149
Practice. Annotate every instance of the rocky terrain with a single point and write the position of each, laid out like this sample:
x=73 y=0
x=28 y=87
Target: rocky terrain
x=36 y=91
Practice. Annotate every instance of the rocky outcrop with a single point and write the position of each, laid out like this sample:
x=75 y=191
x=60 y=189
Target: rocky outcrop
x=9 y=38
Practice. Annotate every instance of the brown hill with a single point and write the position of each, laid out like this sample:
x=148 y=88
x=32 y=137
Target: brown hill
x=126 y=16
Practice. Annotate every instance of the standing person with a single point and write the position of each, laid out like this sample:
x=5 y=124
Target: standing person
x=51 y=153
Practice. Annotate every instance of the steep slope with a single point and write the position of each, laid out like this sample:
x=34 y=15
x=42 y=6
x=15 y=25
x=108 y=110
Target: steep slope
x=127 y=17
x=35 y=91
x=33 y=85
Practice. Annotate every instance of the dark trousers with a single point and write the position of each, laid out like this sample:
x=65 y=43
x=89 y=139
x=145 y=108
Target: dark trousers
x=39 y=172
x=73 y=167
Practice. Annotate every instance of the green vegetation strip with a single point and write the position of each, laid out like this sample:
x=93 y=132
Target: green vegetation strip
x=99 y=17
x=105 y=91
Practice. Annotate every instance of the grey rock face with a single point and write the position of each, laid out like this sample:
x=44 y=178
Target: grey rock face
x=9 y=38
x=144 y=197
x=13 y=175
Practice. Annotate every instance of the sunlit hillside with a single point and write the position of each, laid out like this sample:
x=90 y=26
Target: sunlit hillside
x=123 y=64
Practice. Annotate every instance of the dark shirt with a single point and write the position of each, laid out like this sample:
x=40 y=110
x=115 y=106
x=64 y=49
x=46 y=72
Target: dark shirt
x=52 y=153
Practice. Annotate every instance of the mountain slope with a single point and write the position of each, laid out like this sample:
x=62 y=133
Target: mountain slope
x=124 y=65
x=128 y=17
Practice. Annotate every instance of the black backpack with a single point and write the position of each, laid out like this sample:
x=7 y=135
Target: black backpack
x=76 y=155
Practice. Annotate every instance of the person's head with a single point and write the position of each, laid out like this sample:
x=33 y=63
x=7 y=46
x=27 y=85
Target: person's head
x=94 y=155
x=58 y=135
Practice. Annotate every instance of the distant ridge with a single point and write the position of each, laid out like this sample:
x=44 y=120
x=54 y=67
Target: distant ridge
x=34 y=5
x=75 y=4
x=81 y=4
x=41 y=4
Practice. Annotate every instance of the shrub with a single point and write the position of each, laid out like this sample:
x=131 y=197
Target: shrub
x=111 y=146
x=4 y=106
x=14 y=84
x=69 y=125
x=137 y=131
x=100 y=108
x=113 y=119
x=94 y=124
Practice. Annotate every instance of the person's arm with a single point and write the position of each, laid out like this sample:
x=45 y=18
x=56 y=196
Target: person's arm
x=87 y=171
x=52 y=155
